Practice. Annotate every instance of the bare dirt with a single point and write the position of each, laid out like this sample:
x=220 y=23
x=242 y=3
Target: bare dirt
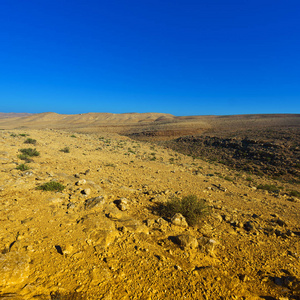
x=81 y=244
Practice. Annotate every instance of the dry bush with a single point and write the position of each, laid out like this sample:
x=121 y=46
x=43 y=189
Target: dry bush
x=190 y=207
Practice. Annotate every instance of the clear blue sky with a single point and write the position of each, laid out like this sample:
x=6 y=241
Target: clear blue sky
x=191 y=57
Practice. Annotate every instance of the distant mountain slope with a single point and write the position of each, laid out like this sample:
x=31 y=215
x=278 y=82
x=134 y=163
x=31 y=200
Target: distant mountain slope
x=13 y=115
x=147 y=125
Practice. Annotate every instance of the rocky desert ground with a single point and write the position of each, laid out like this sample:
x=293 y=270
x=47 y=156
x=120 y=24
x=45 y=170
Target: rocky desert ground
x=103 y=236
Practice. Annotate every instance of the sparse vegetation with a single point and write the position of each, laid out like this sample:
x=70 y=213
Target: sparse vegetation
x=29 y=152
x=25 y=157
x=65 y=150
x=269 y=187
x=73 y=136
x=23 y=167
x=13 y=135
x=30 y=141
x=23 y=134
x=51 y=186
x=190 y=207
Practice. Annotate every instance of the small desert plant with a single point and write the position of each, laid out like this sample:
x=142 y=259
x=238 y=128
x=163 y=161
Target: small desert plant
x=29 y=152
x=13 y=135
x=65 y=150
x=30 y=141
x=23 y=167
x=51 y=186
x=23 y=134
x=73 y=136
x=25 y=157
x=190 y=207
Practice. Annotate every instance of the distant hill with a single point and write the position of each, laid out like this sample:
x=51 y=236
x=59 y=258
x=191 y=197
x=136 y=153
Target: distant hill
x=13 y=115
x=158 y=126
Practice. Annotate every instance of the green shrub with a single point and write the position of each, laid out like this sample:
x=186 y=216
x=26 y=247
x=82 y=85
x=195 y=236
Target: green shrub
x=29 y=152
x=65 y=150
x=51 y=186
x=30 y=141
x=23 y=167
x=23 y=134
x=13 y=135
x=25 y=157
x=73 y=136
x=190 y=207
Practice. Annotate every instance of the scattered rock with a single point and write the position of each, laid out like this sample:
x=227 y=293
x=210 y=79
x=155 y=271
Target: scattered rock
x=71 y=205
x=186 y=241
x=159 y=199
x=122 y=204
x=86 y=191
x=206 y=230
x=280 y=222
x=87 y=172
x=217 y=217
x=249 y=226
x=27 y=173
x=150 y=222
x=94 y=202
x=81 y=182
x=179 y=220
x=206 y=245
x=161 y=221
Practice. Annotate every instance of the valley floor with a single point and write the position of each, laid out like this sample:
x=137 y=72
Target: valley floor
x=79 y=244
